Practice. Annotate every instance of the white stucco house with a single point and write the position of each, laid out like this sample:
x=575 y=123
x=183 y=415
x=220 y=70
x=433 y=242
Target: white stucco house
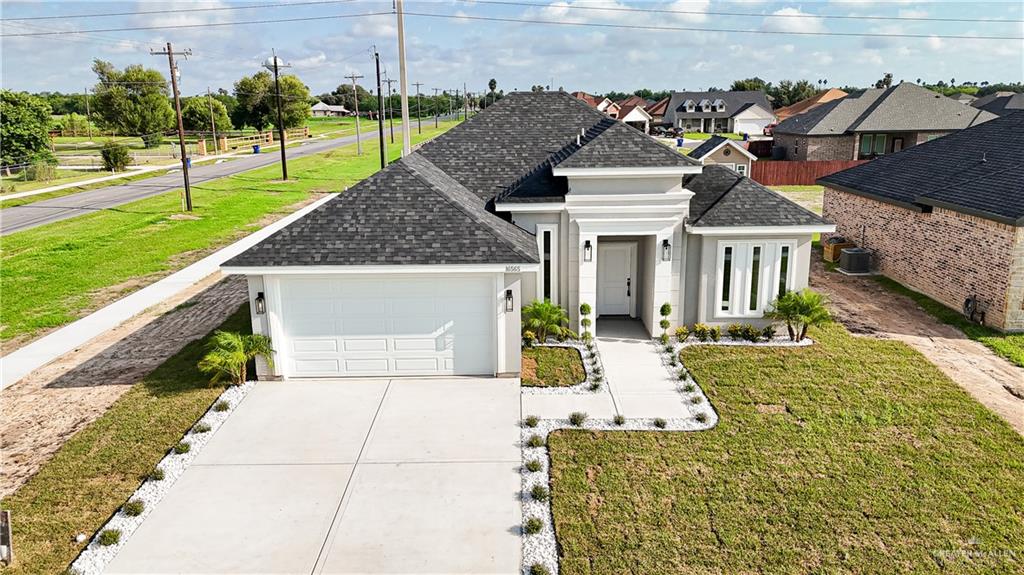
x=423 y=268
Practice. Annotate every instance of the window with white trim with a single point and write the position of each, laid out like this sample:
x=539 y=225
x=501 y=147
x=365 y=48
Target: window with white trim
x=741 y=169
x=751 y=274
x=547 y=278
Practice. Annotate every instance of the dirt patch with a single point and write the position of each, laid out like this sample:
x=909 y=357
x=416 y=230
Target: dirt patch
x=770 y=408
x=529 y=369
x=185 y=217
x=867 y=308
x=44 y=409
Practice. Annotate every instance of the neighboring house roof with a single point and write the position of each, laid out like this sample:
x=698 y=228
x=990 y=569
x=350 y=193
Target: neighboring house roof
x=964 y=98
x=633 y=101
x=723 y=198
x=809 y=103
x=658 y=108
x=1000 y=103
x=713 y=143
x=592 y=101
x=320 y=106
x=735 y=102
x=906 y=107
x=638 y=112
x=978 y=171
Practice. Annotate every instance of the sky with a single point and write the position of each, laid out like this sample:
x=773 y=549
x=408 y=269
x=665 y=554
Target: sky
x=446 y=52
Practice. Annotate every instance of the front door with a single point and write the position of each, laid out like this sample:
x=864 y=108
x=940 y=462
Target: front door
x=614 y=284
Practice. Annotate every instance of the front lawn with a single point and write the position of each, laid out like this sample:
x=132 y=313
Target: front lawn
x=810 y=197
x=552 y=367
x=102 y=465
x=855 y=455
x=704 y=136
x=56 y=273
x=1009 y=346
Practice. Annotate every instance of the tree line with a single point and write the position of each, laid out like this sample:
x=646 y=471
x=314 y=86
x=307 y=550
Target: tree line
x=424 y=105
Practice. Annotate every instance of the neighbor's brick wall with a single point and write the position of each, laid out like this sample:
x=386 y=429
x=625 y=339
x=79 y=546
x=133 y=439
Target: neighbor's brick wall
x=943 y=254
x=812 y=148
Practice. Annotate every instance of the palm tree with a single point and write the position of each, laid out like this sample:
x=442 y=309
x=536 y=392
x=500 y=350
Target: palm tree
x=544 y=318
x=800 y=310
x=229 y=352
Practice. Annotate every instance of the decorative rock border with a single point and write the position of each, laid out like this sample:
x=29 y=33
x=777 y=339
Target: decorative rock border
x=94 y=557
x=777 y=341
x=594 y=381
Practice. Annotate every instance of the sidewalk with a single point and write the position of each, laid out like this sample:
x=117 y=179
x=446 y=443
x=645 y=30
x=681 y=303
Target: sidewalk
x=20 y=363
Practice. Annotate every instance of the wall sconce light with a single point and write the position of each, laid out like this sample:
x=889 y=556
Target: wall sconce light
x=509 y=304
x=588 y=251
x=666 y=251
x=261 y=304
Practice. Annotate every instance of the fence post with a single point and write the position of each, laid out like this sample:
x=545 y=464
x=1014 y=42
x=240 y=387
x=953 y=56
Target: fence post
x=201 y=147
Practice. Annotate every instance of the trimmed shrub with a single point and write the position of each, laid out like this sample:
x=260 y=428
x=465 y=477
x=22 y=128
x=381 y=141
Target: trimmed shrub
x=620 y=419
x=41 y=171
x=221 y=406
x=531 y=421
x=182 y=447
x=702 y=332
x=201 y=427
x=529 y=339
x=660 y=423
x=736 y=331
x=539 y=492
x=115 y=156
x=594 y=386
x=535 y=441
x=110 y=537
x=538 y=569
x=534 y=465
x=701 y=417
x=134 y=507
x=696 y=399
x=715 y=333
x=682 y=333
x=577 y=418
x=533 y=526
x=663 y=338
x=156 y=475
x=689 y=388
x=768 y=332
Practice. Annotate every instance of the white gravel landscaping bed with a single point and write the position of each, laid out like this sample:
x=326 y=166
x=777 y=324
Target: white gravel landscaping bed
x=95 y=557
x=777 y=341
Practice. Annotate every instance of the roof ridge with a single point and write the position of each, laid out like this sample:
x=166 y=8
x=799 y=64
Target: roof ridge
x=718 y=200
x=409 y=162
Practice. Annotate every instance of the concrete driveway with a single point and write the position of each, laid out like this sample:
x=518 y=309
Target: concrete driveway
x=369 y=476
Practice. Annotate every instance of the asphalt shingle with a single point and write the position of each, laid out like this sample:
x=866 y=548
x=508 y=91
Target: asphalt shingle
x=723 y=198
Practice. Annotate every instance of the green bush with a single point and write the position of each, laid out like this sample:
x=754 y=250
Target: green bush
x=534 y=465
x=533 y=526
x=535 y=441
x=715 y=333
x=115 y=156
x=538 y=569
x=182 y=447
x=110 y=537
x=702 y=332
x=201 y=427
x=577 y=418
x=41 y=171
x=221 y=406
x=735 y=331
x=701 y=417
x=620 y=419
x=660 y=423
x=134 y=507
x=531 y=421
x=529 y=339
x=689 y=388
x=545 y=319
x=156 y=475
x=682 y=333
x=539 y=492
x=799 y=311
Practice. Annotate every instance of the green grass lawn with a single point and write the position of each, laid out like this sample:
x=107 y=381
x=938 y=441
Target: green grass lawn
x=56 y=273
x=552 y=367
x=96 y=471
x=18 y=182
x=1008 y=346
x=80 y=188
x=703 y=136
x=810 y=197
x=855 y=455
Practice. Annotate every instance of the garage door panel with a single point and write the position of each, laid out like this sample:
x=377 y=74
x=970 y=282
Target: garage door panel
x=369 y=326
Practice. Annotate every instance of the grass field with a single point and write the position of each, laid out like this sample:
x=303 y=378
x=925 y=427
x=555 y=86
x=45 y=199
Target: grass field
x=810 y=197
x=81 y=188
x=57 y=273
x=703 y=136
x=102 y=465
x=552 y=367
x=1009 y=346
x=19 y=182
x=855 y=455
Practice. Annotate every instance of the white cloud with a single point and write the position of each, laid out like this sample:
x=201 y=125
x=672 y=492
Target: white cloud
x=794 y=20
x=912 y=13
x=382 y=26
x=822 y=58
x=638 y=56
x=934 y=42
x=460 y=17
x=694 y=10
x=313 y=61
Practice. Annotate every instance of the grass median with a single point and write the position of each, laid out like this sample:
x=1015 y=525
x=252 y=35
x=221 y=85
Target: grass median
x=854 y=455
x=57 y=273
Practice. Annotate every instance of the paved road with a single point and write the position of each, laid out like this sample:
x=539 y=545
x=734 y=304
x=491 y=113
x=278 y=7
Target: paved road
x=43 y=212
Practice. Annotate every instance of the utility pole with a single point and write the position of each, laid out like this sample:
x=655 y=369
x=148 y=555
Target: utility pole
x=88 y=122
x=465 y=101
x=213 y=123
x=380 y=113
x=273 y=63
x=170 y=53
x=436 y=90
x=457 y=106
x=403 y=83
x=419 y=115
x=391 y=113
x=355 y=96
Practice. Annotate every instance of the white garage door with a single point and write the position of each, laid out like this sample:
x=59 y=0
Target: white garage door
x=361 y=326
x=751 y=126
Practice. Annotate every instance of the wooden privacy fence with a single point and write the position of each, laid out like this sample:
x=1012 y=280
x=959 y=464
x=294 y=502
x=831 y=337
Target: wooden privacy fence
x=785 y=173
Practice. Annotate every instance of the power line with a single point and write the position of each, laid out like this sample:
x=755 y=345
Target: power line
x=743 y=14
x=692 y=29
x=178 y=10
x=204 y=25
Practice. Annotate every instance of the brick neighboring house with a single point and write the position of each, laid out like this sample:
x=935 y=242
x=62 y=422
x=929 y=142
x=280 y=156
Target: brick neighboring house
x=945 y=218
x=874 y=123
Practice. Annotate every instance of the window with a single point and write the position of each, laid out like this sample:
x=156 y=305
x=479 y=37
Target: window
x=726 y=278
x=547 y=245
x=783 y=270
x=865 y=144
x=872 y=145
x=755 y=275
x=547 y=265
x=741 y=169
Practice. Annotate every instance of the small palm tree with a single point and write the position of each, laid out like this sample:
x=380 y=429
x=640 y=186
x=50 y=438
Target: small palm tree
x=229 y=352
x=799 y=311
x=544 y=318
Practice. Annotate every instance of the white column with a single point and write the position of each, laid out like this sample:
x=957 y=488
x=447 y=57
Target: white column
x=587 y=275
x=662 y=279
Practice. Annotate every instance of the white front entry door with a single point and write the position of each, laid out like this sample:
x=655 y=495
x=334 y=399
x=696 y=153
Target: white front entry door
x=379 y=325
x=614 y=284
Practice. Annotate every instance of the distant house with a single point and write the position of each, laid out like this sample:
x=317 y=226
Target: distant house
x=724 y=152
x=1000 y=103
x=874 y=123
x=710 y=112
x=945 y=218
x=657 y=111
x=320 y=109
x=635 y=115
x=964 y=98
x=809 y=103
x=601 y=104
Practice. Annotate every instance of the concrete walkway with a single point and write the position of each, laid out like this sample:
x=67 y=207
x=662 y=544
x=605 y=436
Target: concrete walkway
x=347 y=476
x=639 y=385
x=20 y=363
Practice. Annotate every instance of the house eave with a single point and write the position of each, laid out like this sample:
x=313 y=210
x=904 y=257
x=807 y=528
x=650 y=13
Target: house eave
x=760 y=230
x=551 y=207
x=654 y=172
x=870 y=196
x=1018 y=222
x=383 y=269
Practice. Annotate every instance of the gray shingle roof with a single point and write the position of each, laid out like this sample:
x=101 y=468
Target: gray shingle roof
x=706 y=147
x=1000 y=103
x=905 y=107
x=409 y=213
x=735 y=102
x=979 y=171
x=617 y=145
x=723 y=198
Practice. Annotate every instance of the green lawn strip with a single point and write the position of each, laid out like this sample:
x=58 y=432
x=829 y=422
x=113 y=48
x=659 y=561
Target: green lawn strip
x=56 y=273
x=704 y=136
x=1007 y=346
x=810 y=197
x=18 y=182
x=99 y=468
x=552 y=367
x=854 y=455
x=81 y=188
